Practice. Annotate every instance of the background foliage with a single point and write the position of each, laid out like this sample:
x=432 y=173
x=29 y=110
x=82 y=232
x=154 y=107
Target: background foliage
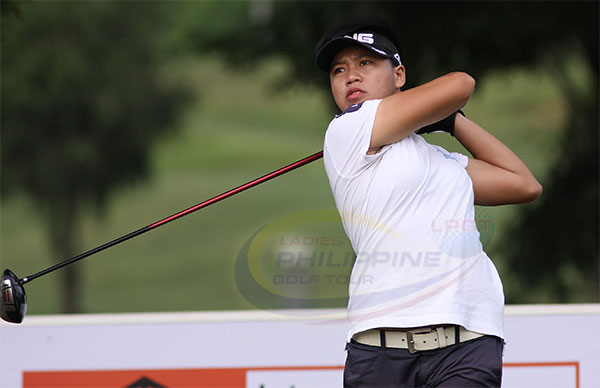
x=82 y=105
x=88 y=89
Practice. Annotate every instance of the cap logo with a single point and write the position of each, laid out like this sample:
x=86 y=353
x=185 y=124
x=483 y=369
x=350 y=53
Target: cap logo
x=362 y=37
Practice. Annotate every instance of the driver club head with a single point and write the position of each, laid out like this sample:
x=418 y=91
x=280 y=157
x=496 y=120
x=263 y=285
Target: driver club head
x=13 y=305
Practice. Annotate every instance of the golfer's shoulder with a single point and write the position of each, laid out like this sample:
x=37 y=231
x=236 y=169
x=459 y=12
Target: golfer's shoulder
x=351 y=109
x=349 y=132
x=356 y=111
x=356 y=117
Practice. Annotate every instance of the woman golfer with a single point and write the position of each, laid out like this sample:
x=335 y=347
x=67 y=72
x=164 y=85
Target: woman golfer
x=425 y=301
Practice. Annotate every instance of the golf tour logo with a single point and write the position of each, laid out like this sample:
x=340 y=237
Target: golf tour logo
x=300 y=260
x=305 y=260
x=464 y=237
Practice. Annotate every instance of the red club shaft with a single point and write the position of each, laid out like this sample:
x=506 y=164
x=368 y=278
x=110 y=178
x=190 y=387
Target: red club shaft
x=239 y=189
x=208 y=202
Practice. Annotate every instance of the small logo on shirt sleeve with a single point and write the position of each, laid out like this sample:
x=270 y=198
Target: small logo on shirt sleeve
x=446 y=155
x=351 y=108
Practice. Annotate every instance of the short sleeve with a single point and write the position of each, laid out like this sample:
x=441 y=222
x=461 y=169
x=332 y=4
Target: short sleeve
x=459 y=158
x=348 y=138
x=463 y=160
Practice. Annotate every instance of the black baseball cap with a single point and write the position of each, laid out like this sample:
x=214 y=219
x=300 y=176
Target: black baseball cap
x=372 y=41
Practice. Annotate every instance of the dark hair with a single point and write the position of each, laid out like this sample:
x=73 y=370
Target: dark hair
x=351 y=26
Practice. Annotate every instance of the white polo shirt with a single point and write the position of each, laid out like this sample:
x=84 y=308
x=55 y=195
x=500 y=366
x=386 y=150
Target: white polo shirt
x=409 y=214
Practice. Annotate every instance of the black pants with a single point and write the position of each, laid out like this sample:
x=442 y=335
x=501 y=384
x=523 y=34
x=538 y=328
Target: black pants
x=474 y=363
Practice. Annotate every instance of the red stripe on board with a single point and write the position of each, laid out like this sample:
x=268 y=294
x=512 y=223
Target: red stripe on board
x=538 y=364
x=198 y=378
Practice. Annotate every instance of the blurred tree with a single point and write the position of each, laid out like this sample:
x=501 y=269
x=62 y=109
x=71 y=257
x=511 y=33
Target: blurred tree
x=83 y=102
x=8 y=7
x=477 y=37
x=553 y=247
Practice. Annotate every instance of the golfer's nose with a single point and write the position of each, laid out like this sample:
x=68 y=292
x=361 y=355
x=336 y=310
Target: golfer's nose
x=352 y=75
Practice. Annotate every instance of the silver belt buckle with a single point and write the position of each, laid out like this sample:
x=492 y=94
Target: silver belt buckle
x=410 y=337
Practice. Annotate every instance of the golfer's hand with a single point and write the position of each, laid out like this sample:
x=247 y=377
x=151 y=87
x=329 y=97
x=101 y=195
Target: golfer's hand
x=444 y=125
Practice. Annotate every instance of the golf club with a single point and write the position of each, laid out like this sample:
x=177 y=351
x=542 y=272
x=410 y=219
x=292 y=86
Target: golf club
x=14 y=300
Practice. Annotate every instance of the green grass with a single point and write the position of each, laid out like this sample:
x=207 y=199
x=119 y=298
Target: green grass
x=239 y=128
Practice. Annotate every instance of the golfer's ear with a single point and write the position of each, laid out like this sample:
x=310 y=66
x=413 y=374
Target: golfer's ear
x=400 y=75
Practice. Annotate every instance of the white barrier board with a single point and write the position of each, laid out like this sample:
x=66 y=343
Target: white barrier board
x=547 y=346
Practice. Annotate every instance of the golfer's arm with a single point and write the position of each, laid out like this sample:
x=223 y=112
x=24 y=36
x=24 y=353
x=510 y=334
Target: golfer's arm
x=499 y=176
x=403 y=113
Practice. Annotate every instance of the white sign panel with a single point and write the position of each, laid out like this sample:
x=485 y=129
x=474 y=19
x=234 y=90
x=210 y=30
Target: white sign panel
x=547 y=346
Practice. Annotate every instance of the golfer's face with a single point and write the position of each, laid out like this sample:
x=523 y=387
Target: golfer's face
x=357 y=75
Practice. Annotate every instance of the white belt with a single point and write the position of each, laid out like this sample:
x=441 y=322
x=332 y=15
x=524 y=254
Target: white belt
x=419 y=339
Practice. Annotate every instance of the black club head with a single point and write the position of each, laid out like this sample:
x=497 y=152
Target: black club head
x=13 y=303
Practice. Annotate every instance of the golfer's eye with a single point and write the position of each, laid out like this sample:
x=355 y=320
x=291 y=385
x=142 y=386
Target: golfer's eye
x=337 y=70
x=365 y=62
